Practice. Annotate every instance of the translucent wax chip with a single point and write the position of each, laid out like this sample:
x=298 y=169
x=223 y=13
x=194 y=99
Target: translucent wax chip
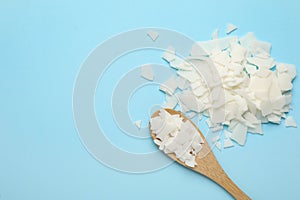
x=219 y=145
x=239 y=134
x=290 y=122
x=153 y=35
x=215 y=34
x=138 y=123
x=228 y=143
x=147 y=72
x=230 y=28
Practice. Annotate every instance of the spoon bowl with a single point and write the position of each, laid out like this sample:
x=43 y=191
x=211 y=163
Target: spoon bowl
x=207 y=163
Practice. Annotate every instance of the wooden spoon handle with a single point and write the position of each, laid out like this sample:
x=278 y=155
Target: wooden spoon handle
x=224 y=181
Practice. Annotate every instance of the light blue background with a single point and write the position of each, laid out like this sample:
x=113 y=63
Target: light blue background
x=42 y=45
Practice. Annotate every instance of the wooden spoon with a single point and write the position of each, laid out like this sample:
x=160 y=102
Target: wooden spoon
x=207 y=163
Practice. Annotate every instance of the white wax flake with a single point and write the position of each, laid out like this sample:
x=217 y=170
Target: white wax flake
x=178 y=63
x=266 y=108
x=237 y=52
x=215 y=34
x=215 y=139
x=138 y=124
x=190 y=102
x=157 y=142
x=239 y=134
x=274 y=118
x=171 y=101
x=219 y=145
x=247 y=40
x=209 y=123
x=191 y=76
x=290 y=122
x=169 y=86
x=250 y=117
x=147 y=72
x=227 y=134
x=291 y=70
x=261 y=47
x=153 y=35
x=181 y=83
x=230 y=28
x=234 y=82
x=228 y=143
x=221 y=58
x=284 y=81
x=217 y=128
x=173 y=135
x=169 y=54
x=251 y=69
x=261 y=62
x=208 y=46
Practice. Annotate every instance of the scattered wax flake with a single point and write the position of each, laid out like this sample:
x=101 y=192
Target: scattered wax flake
x=153 y=35
x=260 y=62
x=169 y=54
x=181 y=83
x=266 y=108
x=209 y=123
x=290 y=122
x=138 y=123
x=281 y=67
x=261 y=47
x=237 y=52
x=215 y=34
x=239 y=134
x=198 y=51
x=230 y=28
x=221 y=58
x=217 y=128
x=228 y=143
x=251 y=69
x=169 y=86
x=199 y=91
x=251 y=118
x=284 y=81
x=178 y=63
x=215 y=139
x=190 y=102
x=283 y=115
x=227 y=134
x=147 y=72
x=256 y=129
x=291 y=70
x=274 y=118
x=208 y=46
x=219 y=145
x=191 y=76
x=247 y=40
x=171 y=101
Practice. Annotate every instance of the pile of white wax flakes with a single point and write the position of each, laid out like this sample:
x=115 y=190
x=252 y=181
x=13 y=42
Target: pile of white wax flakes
x=252 y=88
